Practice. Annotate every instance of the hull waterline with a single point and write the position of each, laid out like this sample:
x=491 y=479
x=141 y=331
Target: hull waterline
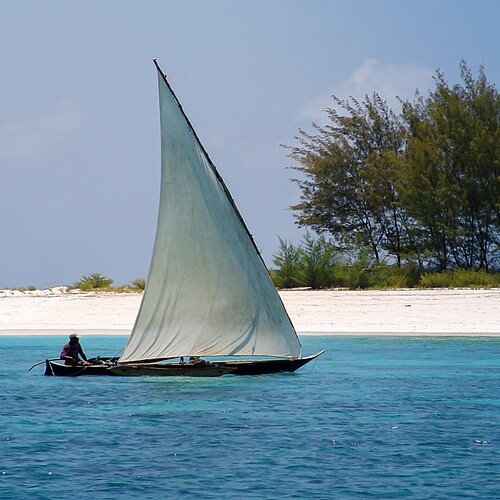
x=170 y=370
x=267 y=366
x=137 y=370
x=53 y=368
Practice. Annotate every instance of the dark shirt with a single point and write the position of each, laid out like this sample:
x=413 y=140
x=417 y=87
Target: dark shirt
x=72 y=350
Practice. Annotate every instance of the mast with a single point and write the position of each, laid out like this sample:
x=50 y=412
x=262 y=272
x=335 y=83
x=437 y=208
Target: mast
x=211 y=163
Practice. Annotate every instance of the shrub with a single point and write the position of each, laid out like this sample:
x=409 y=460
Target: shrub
x=317 y=259
x=138 y=284
x=395 y=277
x=315 y=263
x=94 y=281
x=434 y=280
x=459 y=278
x=474 y=279
x=287 y=260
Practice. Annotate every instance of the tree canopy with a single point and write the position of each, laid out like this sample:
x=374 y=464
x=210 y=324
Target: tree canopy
x=419 y=186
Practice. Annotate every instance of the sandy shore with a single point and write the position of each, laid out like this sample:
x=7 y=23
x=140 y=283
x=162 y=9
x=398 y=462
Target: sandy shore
x=401 y=312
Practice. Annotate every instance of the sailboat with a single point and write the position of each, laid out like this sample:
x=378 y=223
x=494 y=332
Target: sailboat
x=209 y=296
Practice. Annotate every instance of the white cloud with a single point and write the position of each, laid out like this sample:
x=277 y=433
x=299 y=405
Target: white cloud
x=390 y=81
x=38 y=137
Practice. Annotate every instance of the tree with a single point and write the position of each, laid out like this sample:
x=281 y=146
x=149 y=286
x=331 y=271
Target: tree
x=425 y=191
x=350 y=186
x=452 y=175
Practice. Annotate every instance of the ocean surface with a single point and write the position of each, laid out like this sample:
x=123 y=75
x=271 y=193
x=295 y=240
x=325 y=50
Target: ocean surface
x=374 y=417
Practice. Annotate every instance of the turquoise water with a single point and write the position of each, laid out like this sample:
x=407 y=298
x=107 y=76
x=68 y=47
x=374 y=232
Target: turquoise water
x=371 y=418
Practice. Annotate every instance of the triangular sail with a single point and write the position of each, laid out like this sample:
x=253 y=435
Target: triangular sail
x=208 y=291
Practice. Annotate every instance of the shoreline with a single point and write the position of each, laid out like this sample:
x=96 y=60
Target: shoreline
x=402 y=313
x=113 y=333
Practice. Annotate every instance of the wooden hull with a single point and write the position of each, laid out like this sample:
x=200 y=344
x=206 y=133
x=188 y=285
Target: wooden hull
x=236 y=367
x=61 y=370
x=265 y=366
x=137 y=370
x=171 y=370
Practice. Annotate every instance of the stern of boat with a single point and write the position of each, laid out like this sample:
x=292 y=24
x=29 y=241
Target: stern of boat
x=48 y=369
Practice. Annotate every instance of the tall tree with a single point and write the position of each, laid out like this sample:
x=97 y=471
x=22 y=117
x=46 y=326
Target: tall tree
x=350 y=167
x=452 y=176
x=425 y=189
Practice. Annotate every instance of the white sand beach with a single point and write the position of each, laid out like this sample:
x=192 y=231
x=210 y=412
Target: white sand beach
x=398 y=312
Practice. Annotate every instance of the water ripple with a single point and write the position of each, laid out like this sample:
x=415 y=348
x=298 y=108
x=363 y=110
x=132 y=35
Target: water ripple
x=374 y=418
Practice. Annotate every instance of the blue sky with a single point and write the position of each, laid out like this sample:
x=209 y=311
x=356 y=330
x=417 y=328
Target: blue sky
x=79 y=131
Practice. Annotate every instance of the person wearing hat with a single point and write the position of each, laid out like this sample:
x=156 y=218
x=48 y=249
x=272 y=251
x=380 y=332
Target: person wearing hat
x=72 y=351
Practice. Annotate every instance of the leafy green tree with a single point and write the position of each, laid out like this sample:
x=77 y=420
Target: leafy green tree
x=451 y=183
x=425 y=191
x=351 y=172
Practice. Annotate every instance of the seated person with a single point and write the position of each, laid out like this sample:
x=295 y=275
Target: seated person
x=72 y=351
x=196 y=360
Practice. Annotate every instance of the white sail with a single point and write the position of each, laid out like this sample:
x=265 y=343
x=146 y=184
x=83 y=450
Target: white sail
x=208 y=292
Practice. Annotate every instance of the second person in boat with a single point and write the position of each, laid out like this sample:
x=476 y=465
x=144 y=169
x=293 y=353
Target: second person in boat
x=196 y=360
